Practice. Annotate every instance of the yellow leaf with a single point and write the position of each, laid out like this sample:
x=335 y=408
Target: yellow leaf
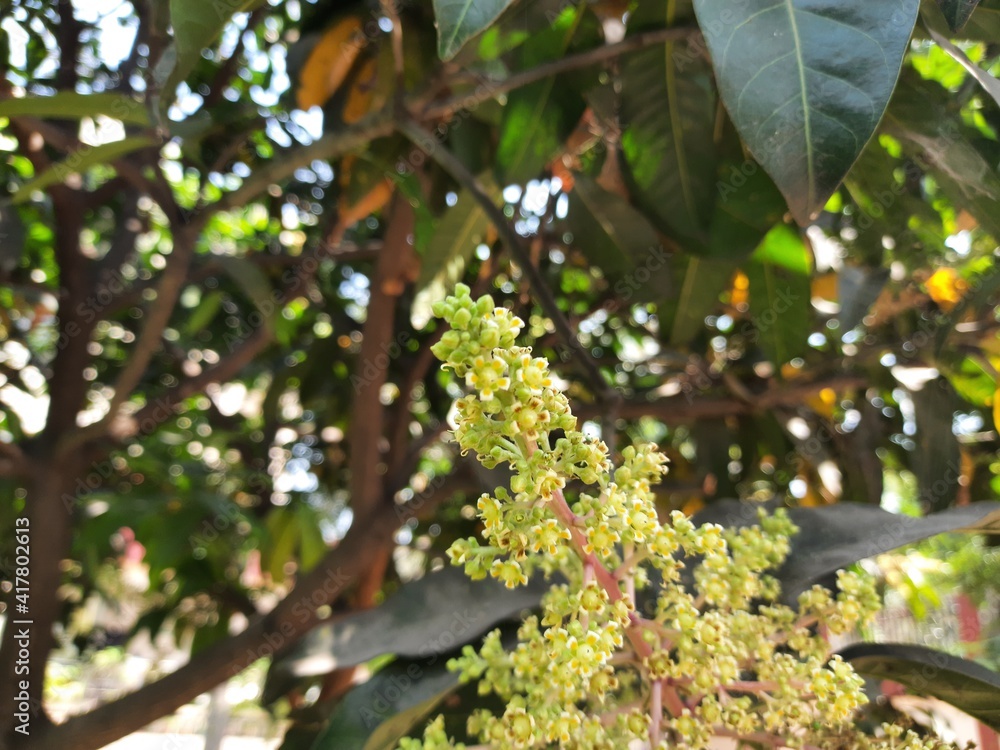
x=946 y=288
x=823 y=402
x=359 y=97
x=739 y=294
x=824 y=286
x=329 y=62
x=996 y=409
x=371 y=202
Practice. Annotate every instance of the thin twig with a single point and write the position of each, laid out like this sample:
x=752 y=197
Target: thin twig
x=424 y=140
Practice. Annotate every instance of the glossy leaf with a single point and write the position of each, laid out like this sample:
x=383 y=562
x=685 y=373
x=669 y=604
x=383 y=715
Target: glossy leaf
x=780 y=292
x=857 y=289
x=81 y=161
x=429 y=616
x=920 y=118
x=837 y=536
x=378 y=713
x=457 y=234
x=196 y=25
x=698 y=290
x=69 y=104
x=668 y=115
x=617 y=239
x=806 y=83
x=937 y=458
x=539 y=117
x=957 y=12
x=964 y=684
x=459 y=20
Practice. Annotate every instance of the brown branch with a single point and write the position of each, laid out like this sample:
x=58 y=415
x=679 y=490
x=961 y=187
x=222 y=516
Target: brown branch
x=230 y=67
x=157 y=411
x=516 y=245
x=489 y=89
x=683 y=409
x=380 y=124
x=286 y=161
x=289 y=621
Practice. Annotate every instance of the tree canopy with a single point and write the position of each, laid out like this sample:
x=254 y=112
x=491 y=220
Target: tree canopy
x=762 y=235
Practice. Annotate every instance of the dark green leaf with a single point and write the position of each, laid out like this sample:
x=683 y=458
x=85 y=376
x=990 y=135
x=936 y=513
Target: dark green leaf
x=617 y=239
x=957 y=12
x=80 y=161
x=857 y=289
x=780 y=293
x=806 y=83
x=197 y=24
x=427 y=617
x=837 y=536
x=747 y=206
x=459 y=20
x=971 y=381
x=458 y=233
x=983 y=25
x=704 y=280
x=67 y=104
x=964 y=684
x=937 y=459
x=668 y=115
x=539 y=117
x=378 y=713
x=921 y=117
x=12 y=236
x=254 y=283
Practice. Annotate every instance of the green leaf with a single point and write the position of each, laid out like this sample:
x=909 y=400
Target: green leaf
x=837 y=536
x=204 y=313
x=430 y=616
x=937 y=461
x=989 y=83
x=282 y=537
x=69 y=104
x=921 y=118
x=668 y=114
x=253 y=282
x=698 y=295
x=857 y=289
x=378 y=713
x=806 y=83
x=747 y=207
x=458 y=233
x=539 y=117
x=971 y=381
x=617 y=239
x=459 y=20
x=982 y=26
x=197 y=24
x=780 y=295
x=80 y=161
x=313 y=546
x=12 y=236
x=957 y=12
x=964 y=684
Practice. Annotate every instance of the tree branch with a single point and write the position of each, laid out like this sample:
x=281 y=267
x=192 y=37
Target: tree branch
x=381 y=124
x=425 y=140
x=684 y=409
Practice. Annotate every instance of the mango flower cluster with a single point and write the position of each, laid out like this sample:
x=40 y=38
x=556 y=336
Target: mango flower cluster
x=717 y=657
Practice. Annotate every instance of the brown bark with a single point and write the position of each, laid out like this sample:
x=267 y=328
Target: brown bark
x=288 y=622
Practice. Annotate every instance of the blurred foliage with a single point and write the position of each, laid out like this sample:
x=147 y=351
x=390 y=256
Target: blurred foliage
x=767 y=359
